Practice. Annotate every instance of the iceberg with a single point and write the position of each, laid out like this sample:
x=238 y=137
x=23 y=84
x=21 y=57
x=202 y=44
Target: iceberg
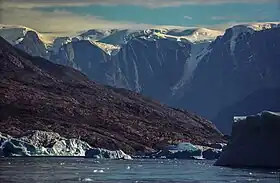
x=99 y=153
x=179 y=151
x=255 y=142
x=41 y=143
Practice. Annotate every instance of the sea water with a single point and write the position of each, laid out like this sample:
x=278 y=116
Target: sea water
x=56 y=170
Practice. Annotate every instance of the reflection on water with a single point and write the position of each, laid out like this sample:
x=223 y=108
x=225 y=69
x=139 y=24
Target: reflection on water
x=42 y=170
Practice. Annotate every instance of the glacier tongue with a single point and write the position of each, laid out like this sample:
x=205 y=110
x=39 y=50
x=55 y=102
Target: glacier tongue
x=198 y=51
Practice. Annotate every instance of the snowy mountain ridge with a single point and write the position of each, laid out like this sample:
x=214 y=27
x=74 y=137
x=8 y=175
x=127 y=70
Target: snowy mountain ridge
x=199 y=69
x=243 y=29
x=112 y=39
x=14 y=34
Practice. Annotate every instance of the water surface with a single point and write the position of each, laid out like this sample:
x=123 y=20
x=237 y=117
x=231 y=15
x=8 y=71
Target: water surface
x=69 y=170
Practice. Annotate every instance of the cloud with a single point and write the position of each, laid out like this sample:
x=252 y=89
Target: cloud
x=64 y=23
x=147 y=3
x=188 y=17
x=60 y=23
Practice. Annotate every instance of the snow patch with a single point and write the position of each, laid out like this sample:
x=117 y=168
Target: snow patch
x=203 y=35
x=137 y=84
x=107 y=48
x=263 y=26
x=237 y=119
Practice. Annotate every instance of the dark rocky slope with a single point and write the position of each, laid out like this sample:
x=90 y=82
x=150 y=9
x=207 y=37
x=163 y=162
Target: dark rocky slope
x=38 y=94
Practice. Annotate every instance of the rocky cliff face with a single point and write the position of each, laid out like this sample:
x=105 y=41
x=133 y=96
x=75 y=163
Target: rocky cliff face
x=264 y=99
x=33 y=45
x=151 y=68
x=37 y=94
x=85 y=56
x=239 y=64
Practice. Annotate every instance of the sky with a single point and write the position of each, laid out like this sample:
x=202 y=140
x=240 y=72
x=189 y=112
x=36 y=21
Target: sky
x=66 y=17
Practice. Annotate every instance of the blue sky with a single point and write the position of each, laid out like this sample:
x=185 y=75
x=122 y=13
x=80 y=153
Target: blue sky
x=67 y=17
x=184 y=15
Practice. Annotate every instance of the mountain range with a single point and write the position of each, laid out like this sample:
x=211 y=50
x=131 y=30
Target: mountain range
x=202 y=70
x=38 y=94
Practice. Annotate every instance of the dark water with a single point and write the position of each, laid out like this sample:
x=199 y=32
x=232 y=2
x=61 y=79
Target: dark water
x=37 y=170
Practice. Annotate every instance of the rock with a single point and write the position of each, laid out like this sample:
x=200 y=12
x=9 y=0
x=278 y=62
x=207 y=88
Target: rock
x=211 y=153
x=41 y=143
x=99 y=153
x=255 y=142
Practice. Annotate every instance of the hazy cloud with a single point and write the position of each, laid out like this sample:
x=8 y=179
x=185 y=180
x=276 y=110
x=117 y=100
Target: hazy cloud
x=148 y=3
x=62 y=22
x=188 y=17
x=21 y=12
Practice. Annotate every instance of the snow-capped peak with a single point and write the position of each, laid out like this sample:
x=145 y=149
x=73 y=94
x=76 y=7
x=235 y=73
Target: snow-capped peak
x=263 y=26
x=203 y=35
x=194 y=35
x=97 y=34
x=14 y=34
x=251 y=28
